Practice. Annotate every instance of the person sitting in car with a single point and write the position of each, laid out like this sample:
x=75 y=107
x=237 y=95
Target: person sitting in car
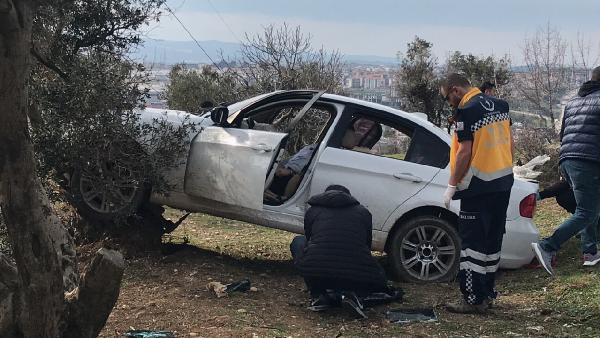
x=335 y=251
x=287 y=169
x=361 y=135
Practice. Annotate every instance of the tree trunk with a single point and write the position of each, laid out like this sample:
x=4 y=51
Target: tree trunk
x=32 y=294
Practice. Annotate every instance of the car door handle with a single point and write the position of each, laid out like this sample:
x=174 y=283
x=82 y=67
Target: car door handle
x=408 y=177
x=262 y=147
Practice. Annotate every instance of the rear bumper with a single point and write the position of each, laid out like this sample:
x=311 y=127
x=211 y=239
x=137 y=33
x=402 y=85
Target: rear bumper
x=516 y=245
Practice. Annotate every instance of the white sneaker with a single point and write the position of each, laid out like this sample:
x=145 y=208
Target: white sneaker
x=591 y=260
x=544 y=257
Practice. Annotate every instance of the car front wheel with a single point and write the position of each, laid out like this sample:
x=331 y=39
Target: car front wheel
x=425 y=249
x=106 y=191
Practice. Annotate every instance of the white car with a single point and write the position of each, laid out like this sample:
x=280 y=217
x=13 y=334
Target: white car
x=396 y=165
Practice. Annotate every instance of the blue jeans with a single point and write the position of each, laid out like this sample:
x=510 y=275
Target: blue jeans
x=297 y=247
x=584 y=178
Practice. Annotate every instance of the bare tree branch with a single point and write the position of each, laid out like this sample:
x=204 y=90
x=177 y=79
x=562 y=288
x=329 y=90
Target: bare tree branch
x=48 y=64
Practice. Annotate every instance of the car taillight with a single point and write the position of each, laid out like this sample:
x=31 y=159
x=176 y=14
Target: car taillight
x=527 y=206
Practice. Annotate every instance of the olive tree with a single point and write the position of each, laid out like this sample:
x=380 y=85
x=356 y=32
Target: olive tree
x=418 y=82
x=188 y=89
x=68 y=92
x=479 y=69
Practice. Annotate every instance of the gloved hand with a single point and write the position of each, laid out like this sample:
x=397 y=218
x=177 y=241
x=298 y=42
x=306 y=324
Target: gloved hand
x=450 y=191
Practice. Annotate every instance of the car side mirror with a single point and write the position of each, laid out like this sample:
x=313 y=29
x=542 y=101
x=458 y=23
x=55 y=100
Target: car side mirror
x=219 y=116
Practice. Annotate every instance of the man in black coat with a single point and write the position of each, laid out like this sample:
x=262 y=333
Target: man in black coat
x=579 y=160
x=335 y=251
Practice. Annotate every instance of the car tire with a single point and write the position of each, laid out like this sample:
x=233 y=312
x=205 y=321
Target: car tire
x=100 y=201
x=425 y=249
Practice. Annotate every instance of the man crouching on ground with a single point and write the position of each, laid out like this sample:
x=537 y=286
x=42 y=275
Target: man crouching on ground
x=481 y=176
x=335 y=251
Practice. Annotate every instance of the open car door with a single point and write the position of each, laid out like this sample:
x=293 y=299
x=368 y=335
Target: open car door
x=230 y=165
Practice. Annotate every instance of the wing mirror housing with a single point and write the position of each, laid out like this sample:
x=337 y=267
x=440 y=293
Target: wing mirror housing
x=219 y=116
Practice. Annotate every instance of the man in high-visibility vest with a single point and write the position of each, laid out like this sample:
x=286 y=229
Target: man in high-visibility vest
x=481 y=178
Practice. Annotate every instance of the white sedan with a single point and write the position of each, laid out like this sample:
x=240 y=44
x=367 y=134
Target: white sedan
x=259 y=160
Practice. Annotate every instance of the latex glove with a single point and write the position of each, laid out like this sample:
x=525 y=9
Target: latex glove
x=450 y=191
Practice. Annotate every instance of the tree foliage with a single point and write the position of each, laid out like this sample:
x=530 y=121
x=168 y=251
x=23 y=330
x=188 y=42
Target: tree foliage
x=418 y=82
x=85 y=90
x=283 y=58
x=480 y=69
x=278 y=58
x=188 y=88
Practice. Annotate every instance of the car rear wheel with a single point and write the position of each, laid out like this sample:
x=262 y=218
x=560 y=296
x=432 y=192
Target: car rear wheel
x=425 y=249
x=107 y=191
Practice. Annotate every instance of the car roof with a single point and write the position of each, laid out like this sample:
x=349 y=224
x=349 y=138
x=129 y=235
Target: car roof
x=349 y=100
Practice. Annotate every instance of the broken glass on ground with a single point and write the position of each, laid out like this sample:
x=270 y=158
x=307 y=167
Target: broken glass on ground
x=148 y=334
x=405 y=316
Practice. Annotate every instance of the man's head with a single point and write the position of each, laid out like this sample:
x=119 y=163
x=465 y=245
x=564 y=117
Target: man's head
x=338 y=187
x=488 y=88
x=596 y=74
x=453 y=88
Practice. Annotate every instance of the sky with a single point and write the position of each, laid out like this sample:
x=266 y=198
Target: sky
x=384 y=27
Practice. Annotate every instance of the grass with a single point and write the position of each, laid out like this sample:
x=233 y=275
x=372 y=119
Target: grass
x=531 y=303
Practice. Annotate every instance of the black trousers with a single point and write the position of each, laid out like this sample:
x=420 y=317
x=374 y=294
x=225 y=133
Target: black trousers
x=319 y=285
x=279 y=183
x=481 y=227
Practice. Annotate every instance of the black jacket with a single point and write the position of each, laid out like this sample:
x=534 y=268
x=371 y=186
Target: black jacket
x=580 y=133
x=338 y=233
x=563 y=193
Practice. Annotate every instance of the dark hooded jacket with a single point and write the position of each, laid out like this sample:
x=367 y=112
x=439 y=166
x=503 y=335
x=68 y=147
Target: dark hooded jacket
x=338 y=232
x=580 y=133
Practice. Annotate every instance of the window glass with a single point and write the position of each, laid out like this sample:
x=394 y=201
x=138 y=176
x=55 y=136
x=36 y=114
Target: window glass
x=395 y=140
x=369 y=135
x=307 y=131
x=428 y=149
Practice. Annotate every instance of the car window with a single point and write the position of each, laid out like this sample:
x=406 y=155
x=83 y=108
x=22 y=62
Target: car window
x=428 y=149
x=395 y=140
x=309 y=130
x=369 y=135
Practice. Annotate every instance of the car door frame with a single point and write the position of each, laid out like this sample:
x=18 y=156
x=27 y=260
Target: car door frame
x=296 y=205
x=204 y=177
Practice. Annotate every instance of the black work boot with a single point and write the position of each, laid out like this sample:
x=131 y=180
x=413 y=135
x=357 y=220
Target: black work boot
x=463 y=307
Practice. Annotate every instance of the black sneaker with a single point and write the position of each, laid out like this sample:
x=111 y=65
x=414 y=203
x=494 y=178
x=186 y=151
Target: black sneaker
x=321 y=303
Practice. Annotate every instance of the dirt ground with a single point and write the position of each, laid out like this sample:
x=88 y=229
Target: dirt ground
x=168 y=292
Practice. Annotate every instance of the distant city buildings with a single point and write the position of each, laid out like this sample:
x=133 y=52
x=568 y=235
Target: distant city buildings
x=368 y=83
x=371 y=83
